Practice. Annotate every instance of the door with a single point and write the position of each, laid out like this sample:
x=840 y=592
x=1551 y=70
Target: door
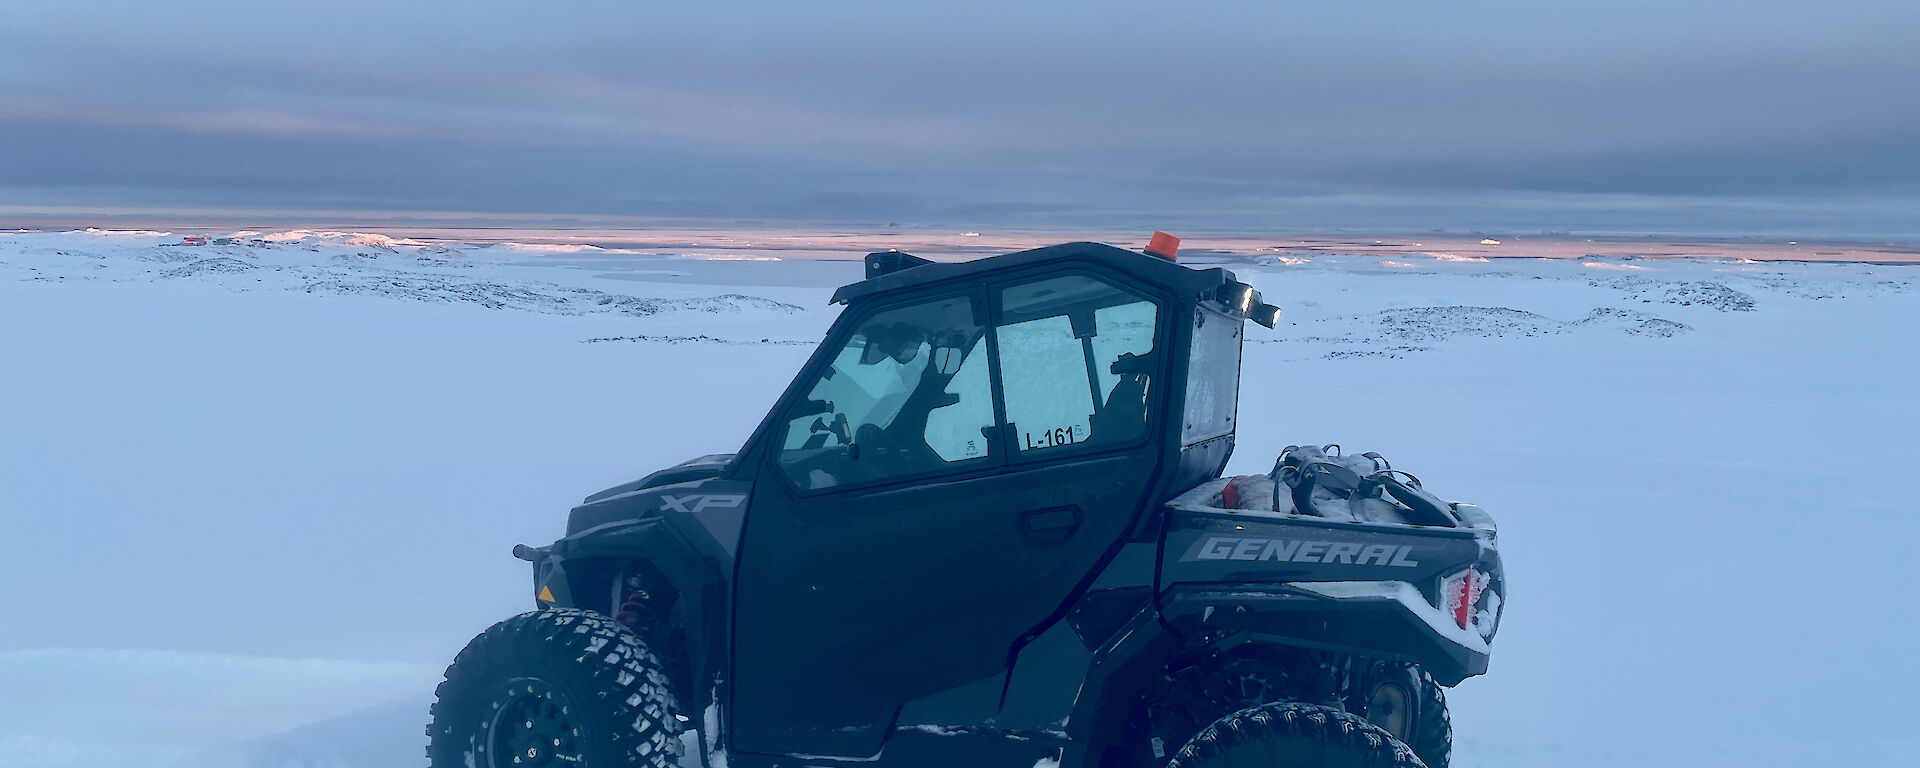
x=956 y=470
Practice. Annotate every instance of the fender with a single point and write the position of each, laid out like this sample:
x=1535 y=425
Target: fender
x=1121 y=673
x=690 y=533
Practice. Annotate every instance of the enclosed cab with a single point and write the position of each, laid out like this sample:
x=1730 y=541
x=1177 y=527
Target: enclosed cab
x=968 y=533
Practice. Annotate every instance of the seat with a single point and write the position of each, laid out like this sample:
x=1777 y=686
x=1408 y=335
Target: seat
x=1124 y=416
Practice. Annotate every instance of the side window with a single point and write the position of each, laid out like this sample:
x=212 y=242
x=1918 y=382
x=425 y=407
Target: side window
x=906 y=395
x=1076 y=358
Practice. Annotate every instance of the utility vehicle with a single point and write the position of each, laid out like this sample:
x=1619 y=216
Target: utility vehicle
x=985 y=527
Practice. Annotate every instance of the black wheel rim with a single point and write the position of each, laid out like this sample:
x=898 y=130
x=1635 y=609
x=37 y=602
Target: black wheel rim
x=1391 y=707
x=532 y=724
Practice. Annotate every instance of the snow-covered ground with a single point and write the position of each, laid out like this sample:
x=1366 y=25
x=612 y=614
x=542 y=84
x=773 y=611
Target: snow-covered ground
x=255 y=495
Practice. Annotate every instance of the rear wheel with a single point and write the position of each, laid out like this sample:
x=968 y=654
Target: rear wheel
x=1405 y=701
x=557 y=687
x=1287 y=734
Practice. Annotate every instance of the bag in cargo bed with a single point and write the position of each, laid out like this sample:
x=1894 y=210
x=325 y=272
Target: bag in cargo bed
x=1324 y=482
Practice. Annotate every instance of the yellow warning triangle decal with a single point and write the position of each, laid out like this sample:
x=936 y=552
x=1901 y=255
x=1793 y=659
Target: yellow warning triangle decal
x=546 y=595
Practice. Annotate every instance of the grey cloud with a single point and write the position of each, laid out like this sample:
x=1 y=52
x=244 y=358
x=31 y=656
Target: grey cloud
x=873 y=109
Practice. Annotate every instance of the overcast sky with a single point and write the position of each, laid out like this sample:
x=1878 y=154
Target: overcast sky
x=1685 y=115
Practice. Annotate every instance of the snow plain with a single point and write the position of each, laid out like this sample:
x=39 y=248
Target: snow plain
x=256 y=495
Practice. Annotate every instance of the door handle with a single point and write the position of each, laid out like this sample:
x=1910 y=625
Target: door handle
x=1051 y=525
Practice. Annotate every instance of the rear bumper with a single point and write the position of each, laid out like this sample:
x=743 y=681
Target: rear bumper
x=1383 y=619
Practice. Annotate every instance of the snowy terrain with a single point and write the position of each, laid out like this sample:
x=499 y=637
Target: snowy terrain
x=256 y=495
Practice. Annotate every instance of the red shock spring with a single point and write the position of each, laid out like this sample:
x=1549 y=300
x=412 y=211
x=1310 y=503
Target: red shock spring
x=632 y=610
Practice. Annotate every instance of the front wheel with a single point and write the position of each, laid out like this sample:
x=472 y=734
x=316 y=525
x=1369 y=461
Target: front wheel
x=558 y=687
x=1293 y=734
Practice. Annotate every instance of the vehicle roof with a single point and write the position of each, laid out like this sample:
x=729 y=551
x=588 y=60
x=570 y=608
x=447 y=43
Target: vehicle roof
x=1181 y=280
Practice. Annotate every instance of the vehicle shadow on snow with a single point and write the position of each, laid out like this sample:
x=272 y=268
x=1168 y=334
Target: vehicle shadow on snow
x=391 y=735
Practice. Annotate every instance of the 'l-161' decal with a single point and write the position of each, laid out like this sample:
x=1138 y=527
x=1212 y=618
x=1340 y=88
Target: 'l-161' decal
x=1302 y=551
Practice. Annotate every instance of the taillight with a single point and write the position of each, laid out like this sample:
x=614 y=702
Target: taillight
x=1471 y=601
x=1459 y=592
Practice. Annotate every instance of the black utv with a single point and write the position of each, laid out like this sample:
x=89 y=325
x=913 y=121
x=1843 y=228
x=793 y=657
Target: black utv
x=985 y=527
